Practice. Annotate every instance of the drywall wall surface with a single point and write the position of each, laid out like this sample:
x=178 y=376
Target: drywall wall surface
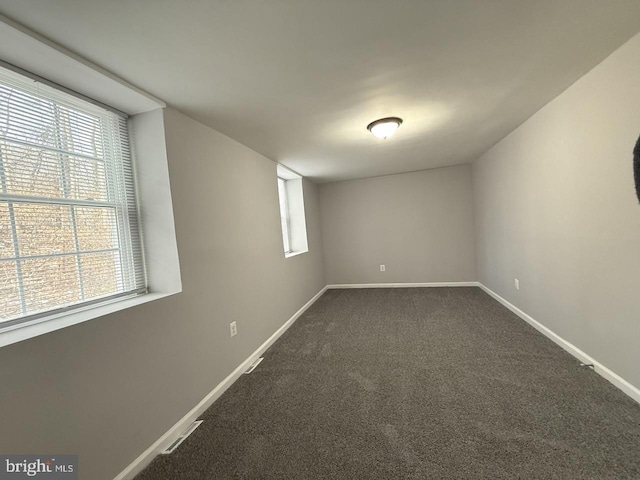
x=555 y=208
x=419 y=225
x=108 y=388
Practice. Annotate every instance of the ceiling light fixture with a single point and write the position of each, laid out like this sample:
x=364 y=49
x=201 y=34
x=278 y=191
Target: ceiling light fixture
x=385 y=127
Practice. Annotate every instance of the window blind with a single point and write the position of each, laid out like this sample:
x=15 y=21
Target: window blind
x=69 y=230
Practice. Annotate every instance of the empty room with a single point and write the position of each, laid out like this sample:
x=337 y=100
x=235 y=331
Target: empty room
x=341 y=239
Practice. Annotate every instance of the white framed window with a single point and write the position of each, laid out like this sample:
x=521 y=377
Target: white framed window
x=69 y=229
x=284 y=215
x=292 y=216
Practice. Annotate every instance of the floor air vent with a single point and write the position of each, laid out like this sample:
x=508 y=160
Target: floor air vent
x=253 y=366
x=183 y=436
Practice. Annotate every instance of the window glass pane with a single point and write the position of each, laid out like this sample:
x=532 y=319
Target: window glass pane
x=284 y=214
x=87 y=180
x=43 y=229
x=96 y=228
x=41 y=173
x=100 y=274
x=285 y=235
x=50 y=282
x=80 y=132
x=6 y=238
x=27 y=118
x=31 y=171
x=9 y=294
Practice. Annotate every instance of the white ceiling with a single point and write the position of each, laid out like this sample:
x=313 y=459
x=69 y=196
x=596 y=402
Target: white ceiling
x=299 y=80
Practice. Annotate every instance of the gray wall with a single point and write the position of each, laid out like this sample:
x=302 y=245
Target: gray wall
x=555 y=207
x=419 y=225
x=107 y=389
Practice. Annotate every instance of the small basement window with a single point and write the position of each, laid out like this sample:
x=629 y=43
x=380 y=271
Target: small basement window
x=292 y=218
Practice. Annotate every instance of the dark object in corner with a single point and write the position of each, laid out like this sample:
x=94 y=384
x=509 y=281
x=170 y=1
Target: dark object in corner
x=636 y=167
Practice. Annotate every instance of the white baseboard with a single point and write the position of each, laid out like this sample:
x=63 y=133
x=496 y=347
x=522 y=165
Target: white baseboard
x=599 y=368
x=403 y=285
x=150 y=453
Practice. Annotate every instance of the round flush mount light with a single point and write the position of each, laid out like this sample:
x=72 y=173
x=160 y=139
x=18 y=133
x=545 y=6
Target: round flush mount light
x=385 y=127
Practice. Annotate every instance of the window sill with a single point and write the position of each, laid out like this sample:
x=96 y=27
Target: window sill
x=51 y=323
x=294 y=254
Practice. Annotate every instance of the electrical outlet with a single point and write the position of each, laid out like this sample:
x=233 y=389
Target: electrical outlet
x=382 y=268
x=516 y=282
x=233 y=328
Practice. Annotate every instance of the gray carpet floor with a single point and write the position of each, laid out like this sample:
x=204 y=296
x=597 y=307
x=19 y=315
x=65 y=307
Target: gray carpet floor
x=415 y=383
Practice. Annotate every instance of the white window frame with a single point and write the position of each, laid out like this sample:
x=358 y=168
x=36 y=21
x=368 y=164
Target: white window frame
x=26 y=50
x=292 y=212
x=119 y=190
